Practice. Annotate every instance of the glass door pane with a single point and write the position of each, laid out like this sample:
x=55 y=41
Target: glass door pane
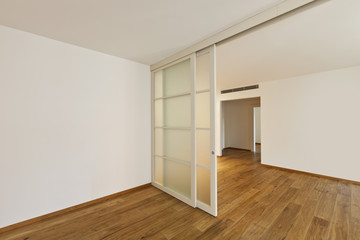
x=177 y=177
x=177 y=78
x=203 y=109
x=173 y=151
x=203 y=185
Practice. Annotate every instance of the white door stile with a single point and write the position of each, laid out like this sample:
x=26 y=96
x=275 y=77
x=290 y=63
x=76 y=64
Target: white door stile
x=213 y=166
x=152 y=97
x=193 y=130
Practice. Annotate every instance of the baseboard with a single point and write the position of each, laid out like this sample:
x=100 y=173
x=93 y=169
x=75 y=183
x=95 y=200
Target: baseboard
x=70 y=209
x=312 y=174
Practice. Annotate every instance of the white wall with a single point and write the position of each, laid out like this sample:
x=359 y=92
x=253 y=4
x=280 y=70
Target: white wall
x=257 y=122
x=310 y=123
x=238 y=123
x=74 y=125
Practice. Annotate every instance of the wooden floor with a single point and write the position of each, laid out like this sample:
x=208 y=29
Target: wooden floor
x=255 y=202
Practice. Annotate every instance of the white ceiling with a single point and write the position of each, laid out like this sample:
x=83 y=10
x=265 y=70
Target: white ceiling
x=319 y=39
x=141 y=30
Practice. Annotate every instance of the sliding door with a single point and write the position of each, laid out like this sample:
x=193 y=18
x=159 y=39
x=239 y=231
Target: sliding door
x=183 y=158
x=206 y=167
x=173 y=132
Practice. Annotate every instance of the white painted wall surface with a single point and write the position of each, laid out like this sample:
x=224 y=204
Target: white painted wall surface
x=74 y=125
x=311 y=123
x=257 y=116
x=238 y=123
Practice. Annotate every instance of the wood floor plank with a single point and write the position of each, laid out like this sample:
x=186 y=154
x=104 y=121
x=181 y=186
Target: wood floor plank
x=165 y=221
x=254 y=202
x=205 y=222
x=238 y=229
x=318 y=229
x=281 y=226
x=271 y=212
x=215 y=231
x=118 y=223
x=325 y=206
x=354 y=228
x=344 y=189
x=339 y=227
x=301 y=225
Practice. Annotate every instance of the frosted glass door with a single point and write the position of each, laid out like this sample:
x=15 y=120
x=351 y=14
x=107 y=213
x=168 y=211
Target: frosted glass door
x=206 y=187
x=173 y=133
x=184 y=162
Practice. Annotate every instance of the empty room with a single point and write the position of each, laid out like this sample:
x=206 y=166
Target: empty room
x=179 y=119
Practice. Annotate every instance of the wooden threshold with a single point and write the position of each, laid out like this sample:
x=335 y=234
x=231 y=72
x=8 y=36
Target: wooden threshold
x=312 y=174
x=70 y=209
x=242 y=149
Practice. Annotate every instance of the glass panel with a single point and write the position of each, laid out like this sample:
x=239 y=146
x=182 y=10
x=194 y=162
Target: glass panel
x=203 y=110
x=159 y=142
x=173 y=112
x=158 y=84
x=203 y=147
x=203 y=72
x=177 y=144
x=203 y=185
x=177 y=78
x=178 y=177
x=159 y=170
x=178 y=111
x=159 y=116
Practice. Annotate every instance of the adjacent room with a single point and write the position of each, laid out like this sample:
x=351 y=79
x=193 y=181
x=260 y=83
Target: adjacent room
x=179 y=120
x=241 y=124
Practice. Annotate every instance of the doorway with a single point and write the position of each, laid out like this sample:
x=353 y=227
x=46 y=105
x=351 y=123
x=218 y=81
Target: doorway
x=241 y=125
x=257 y=129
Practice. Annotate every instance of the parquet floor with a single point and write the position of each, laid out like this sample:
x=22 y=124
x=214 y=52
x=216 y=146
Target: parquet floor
x=255 y=202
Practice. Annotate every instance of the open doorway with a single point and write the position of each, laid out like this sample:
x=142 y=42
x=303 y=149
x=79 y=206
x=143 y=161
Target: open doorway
x=241 y=126
x=257 y=129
